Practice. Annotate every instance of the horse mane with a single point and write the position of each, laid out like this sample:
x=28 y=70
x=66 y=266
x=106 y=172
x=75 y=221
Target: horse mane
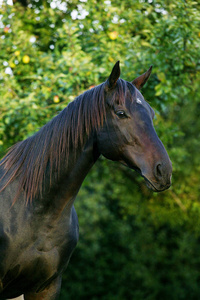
x=30 y=159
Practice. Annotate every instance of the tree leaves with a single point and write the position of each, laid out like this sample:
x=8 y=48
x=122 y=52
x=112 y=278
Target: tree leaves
x=133 y=244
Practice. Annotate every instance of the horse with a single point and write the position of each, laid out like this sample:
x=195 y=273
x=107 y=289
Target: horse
x=41 y=176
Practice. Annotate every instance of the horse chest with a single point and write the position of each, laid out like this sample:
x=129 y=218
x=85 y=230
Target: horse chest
x=53 y=245
x=40 y=254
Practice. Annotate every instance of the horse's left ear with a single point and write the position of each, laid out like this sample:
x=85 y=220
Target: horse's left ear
x=114 y=75
x=142 y=79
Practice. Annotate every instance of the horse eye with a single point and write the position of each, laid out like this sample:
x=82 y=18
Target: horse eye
x=121 y=114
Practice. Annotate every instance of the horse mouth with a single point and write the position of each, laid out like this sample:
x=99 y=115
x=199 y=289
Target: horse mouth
x=149 y=184
x=152 y=186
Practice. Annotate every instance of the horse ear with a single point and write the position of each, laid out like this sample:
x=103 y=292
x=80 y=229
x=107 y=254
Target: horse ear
x=142 y=79
x=114 y=75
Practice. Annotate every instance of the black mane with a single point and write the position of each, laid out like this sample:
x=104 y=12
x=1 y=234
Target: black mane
x=28 y=159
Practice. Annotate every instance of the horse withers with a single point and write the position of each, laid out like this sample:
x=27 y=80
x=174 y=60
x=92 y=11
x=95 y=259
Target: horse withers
x=41 y=176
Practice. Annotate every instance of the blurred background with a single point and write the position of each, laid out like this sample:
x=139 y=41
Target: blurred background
x=134 y=244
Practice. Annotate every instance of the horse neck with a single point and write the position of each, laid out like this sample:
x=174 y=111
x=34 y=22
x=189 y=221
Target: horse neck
x=63 y=192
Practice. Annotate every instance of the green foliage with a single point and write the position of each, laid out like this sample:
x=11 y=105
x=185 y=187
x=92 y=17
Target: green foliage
x=133 y=244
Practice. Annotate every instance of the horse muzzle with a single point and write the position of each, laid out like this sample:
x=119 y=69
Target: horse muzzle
x=160 y=180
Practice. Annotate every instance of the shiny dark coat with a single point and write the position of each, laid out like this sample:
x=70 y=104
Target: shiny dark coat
x=41 y=176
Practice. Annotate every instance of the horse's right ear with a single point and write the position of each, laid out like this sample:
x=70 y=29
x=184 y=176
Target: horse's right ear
x=112 y=79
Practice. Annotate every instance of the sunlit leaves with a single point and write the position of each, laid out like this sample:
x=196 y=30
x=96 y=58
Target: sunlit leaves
x=134 y=244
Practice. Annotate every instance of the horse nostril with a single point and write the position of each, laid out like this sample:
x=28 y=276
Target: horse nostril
x=159 y=171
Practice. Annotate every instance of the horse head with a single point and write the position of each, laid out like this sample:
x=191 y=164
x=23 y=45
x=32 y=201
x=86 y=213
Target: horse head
x=128 y=135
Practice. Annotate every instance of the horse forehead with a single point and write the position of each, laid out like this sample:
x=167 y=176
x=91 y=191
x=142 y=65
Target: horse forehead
x=139 y=99
x=136 y=95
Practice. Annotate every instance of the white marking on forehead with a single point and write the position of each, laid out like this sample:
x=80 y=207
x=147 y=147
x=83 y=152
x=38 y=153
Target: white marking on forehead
x=138 y=101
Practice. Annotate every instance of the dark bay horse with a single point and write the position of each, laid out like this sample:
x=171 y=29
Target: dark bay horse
x=41 y=176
